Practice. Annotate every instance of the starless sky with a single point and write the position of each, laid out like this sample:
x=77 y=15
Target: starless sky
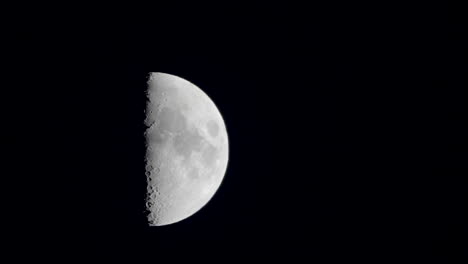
x=346 y=123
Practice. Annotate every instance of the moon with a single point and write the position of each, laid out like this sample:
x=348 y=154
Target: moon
x=186 y=149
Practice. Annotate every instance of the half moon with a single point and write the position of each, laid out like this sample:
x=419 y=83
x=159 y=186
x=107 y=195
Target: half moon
x=187 y=149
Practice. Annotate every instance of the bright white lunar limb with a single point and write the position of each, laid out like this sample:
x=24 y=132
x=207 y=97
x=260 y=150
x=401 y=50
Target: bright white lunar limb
x=187 y=149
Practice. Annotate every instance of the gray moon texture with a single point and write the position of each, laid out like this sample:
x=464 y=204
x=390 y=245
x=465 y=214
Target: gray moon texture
x=187 y=149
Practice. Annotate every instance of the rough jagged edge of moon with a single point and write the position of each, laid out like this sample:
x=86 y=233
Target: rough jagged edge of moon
x=149 y=124
x=152 y=191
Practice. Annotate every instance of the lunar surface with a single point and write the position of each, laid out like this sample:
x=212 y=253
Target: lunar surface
x=187 y=149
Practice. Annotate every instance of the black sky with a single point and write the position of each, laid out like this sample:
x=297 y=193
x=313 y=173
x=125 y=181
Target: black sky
x=346 y=122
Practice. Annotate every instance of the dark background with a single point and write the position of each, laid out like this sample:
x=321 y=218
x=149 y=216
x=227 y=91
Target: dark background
x=346 y=123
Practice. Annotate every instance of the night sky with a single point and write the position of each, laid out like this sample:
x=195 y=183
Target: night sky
x=346 y=123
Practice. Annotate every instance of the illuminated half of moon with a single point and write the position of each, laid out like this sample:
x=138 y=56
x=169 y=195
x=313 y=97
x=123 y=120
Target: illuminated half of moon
x=187 y=149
